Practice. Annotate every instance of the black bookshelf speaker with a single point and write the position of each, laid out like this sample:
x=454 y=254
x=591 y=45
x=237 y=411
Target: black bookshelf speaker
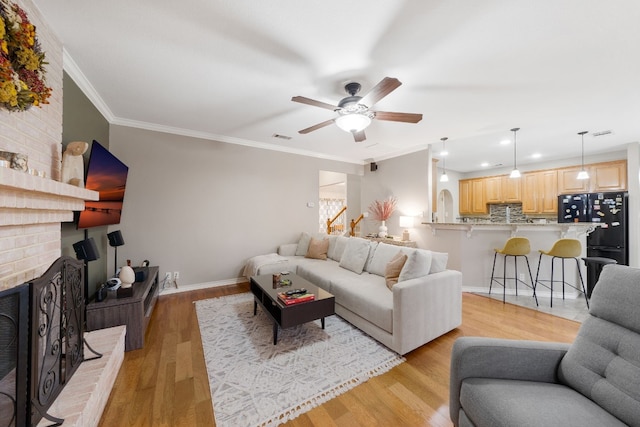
x=86 y=249
x=115 y=238
x=374 y=166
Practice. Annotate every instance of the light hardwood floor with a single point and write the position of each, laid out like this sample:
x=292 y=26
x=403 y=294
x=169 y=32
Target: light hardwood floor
x=165 y=383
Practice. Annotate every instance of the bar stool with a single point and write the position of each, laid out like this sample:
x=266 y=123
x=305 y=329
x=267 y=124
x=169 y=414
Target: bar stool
x=563 y=249
x=515 y=247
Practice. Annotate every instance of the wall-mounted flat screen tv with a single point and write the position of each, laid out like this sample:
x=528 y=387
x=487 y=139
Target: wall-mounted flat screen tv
x=107 y=175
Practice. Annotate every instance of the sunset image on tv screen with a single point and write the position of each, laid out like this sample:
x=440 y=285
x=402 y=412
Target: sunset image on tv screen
x=107 y=175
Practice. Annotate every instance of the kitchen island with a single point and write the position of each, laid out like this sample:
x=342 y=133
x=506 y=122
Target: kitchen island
x=471 y=248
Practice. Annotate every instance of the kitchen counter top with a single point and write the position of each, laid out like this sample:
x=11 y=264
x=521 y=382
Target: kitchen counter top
x=470 y=227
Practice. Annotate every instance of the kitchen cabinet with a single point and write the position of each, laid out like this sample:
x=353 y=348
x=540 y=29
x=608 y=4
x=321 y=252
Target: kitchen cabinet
x=568 y=182
x=607 y=176
x=610 y=176
x=434 y=185
x=540 y=192
x=511 y=189
x=478 y=204
x=472 y=198
x=502 y=189
x=464 y=190
x=493 y=189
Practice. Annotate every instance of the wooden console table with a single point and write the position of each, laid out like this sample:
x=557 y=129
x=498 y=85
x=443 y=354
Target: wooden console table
x=134 y=312
x=394 y=241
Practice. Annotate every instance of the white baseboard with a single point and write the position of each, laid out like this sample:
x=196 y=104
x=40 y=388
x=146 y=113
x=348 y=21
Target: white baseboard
x=525 y=292
x=206 y=285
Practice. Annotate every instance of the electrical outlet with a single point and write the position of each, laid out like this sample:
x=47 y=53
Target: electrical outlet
x=521 y=277
x=176 y=275
x=167 y=276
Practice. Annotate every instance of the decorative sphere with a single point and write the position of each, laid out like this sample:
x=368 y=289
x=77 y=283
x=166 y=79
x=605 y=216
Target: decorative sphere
x=127 y=276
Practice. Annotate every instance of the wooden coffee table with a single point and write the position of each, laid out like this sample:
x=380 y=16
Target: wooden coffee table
x=286 y=316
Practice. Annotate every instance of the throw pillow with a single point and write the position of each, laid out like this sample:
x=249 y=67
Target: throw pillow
x=438 y=262
x=381 y=257
x=332 y=246
x=303 y=244
x=355 y=254
x=417 y=265
x=341 y=243
x=318 y=248
x=393 y=269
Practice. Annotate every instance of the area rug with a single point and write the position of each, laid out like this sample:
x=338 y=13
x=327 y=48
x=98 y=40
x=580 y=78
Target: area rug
x=256 y=383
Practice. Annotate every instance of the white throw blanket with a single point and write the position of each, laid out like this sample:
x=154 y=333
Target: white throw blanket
x=251 y=269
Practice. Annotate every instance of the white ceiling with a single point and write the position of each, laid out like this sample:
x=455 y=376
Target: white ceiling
x=227 y=69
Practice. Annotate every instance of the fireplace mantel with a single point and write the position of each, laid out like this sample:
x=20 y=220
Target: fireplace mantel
x=28 y=199
x=31 y=211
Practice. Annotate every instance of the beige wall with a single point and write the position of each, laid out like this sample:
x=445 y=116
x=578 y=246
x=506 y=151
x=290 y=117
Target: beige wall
x=203 y=207
x=406 y=178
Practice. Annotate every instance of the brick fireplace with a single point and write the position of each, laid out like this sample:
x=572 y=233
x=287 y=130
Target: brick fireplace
x=32 y=207
x=34 y=204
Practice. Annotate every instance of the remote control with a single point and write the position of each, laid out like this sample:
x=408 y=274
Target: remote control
x=295 y=292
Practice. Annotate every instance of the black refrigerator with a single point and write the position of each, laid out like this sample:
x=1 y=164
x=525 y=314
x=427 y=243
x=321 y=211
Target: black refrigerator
x=610 y=239
x=608 y=243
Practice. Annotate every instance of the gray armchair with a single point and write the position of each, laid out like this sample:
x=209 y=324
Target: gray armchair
x=593 y=382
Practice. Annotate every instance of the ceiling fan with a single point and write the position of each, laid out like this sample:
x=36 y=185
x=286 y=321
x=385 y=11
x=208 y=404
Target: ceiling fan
x=354 y=112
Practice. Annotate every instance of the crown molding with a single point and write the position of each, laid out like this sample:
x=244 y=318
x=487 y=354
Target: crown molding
x=227 y=139
x=72 y=69
x=90 y=92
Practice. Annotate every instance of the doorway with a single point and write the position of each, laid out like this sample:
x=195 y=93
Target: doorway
x=333 y=198
x=445 y=206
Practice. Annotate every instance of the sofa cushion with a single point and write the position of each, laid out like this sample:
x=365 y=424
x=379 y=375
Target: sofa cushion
x=303 y=244
x=418 y=264
x=336 y=247
x=372 y=250
x=355 y=254
x=438 y=262
x=381 y=257
x=503 y=402
x=366 y=295
x=604 y=361
x=393 y=269
x=288 y=249
x=320 y=273
x=318 y=248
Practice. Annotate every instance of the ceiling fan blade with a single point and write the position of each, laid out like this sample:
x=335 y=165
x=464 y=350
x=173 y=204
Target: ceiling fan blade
x=359 y=136
x=316 y=127
x=314 y=103
x=398 y=117
x=382 y=89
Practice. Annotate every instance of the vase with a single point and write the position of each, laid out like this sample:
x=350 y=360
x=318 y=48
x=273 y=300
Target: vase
x=382 y=230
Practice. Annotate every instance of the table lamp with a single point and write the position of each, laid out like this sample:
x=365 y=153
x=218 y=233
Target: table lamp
x=406 y=222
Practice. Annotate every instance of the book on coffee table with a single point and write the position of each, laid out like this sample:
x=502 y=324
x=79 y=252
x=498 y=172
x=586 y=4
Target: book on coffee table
x=295 y=299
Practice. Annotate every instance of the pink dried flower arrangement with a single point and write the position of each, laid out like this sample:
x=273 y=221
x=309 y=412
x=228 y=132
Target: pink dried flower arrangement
x=382 y=210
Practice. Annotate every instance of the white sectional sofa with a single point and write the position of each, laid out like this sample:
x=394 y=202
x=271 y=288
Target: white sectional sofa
x=425 y=303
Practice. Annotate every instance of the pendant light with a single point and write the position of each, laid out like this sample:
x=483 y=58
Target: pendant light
x=583 y=173
x=444 y=177
x=515 y=173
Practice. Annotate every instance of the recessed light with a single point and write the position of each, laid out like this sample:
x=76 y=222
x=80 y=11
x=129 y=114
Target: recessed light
x=505 y=142
x=484 y=164
x=444 y=153
x=536 y=155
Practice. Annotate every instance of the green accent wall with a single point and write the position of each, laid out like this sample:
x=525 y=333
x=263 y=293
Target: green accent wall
x=81 y=121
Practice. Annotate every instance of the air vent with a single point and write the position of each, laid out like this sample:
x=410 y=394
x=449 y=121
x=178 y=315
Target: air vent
x=602 y=133
x=277 y=135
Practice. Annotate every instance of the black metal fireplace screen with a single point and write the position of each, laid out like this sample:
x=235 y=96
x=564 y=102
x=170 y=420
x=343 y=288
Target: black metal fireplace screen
x=40 y=352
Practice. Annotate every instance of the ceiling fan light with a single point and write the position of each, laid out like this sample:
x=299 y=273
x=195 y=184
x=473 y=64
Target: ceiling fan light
x=354 y=122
